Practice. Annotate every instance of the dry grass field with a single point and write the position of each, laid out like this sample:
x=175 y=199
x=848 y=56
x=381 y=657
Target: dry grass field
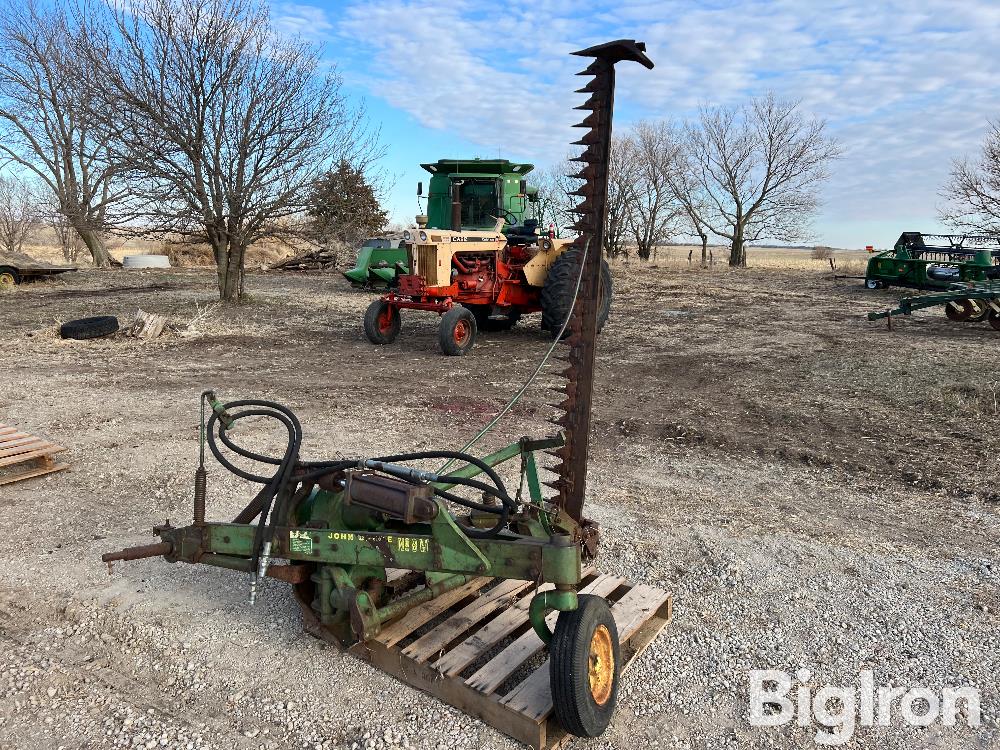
x=816 y=490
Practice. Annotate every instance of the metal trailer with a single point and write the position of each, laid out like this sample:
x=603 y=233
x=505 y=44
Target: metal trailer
x=17 y=269
x=963 y=302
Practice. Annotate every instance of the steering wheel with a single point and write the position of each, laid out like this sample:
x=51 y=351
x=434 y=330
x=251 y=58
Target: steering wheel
x=509 y=216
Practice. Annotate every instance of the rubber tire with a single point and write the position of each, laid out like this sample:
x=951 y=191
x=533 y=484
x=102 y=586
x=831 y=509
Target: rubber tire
x=373 y=330
x=557 y=292
x=89 y=328
x=574 y=706
x=994 y=319
x=446 y=332
x=12 y=272
x=873 y=284
x=485 y=324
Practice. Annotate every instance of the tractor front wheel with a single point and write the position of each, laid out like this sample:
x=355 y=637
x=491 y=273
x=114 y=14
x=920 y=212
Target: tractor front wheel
x=458 y=330
x=584 y=667
x=382 y=322
x=560 y=285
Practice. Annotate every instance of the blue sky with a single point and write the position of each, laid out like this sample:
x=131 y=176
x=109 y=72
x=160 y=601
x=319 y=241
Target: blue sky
x=905 y=86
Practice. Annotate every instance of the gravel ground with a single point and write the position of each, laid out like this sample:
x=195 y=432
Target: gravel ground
x=817 y=492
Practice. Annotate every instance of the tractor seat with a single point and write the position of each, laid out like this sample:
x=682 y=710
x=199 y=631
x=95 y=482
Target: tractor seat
x=523 y=234
x=943 y=273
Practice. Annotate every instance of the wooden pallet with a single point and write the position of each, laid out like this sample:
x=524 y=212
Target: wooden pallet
x=23 y=456
x=474 y=649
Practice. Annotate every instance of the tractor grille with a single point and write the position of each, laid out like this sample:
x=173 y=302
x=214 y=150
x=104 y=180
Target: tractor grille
x=429 y=266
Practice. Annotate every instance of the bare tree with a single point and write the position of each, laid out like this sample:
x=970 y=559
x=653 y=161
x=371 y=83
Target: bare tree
x=973 y=190
x=555 y=199
x=43 y=122
x=760 y=167
x=19 y=213
x=653 y=150
x=691 y=197
x=223 y=124
x=622 y=170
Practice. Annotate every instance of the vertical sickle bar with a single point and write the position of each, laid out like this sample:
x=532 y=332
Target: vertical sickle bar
x=582 y=329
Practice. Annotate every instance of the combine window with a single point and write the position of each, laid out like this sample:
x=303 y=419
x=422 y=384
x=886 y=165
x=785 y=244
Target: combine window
x=479 y=203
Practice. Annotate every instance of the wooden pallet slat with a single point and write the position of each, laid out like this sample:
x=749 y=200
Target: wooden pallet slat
x=497 y=621
x=23 y=456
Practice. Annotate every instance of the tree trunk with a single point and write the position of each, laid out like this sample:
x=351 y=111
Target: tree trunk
x=738 y=252
x=704 y=251
x=231 y=273
x=95 y=245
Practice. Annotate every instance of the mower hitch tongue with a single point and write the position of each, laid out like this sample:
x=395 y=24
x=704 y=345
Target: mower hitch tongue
x=340 y=531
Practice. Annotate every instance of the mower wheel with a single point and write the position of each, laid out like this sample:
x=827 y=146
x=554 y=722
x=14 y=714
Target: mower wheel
x=458 y=331
x=994 y=319
x=963 y=312
x=382 y=322
x=89 y=328
x=9 y=277
x=584 y=667
x=557 y=293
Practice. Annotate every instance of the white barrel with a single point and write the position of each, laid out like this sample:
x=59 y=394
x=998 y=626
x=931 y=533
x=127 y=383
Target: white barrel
x=146 y=261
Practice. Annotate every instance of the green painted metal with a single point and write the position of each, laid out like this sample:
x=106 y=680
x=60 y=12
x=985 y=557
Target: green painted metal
x=376 y=264
x=913 y=263
x=989 y=292
x=488 y=185
x=545 y=602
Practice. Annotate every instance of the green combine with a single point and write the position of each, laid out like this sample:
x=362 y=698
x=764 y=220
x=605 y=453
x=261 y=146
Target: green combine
x=487 y=189
x=935 y=261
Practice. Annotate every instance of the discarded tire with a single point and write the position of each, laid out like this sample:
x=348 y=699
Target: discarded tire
x=89 y=328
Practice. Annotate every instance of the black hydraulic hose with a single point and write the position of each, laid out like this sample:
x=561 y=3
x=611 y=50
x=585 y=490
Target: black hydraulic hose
x=279 y=486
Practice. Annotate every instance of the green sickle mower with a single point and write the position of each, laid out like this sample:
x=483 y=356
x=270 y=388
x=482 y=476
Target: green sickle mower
x=333 y=528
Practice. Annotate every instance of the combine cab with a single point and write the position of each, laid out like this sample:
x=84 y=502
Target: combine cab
x=935 y=261
x=478 y=262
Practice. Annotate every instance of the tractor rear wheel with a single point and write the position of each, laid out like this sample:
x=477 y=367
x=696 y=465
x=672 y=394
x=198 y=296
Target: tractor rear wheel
x=458 y=330
x=560 y=285
x=584 y=667
x=382 y=322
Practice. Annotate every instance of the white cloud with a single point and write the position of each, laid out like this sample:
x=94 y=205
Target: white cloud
x=907 y=85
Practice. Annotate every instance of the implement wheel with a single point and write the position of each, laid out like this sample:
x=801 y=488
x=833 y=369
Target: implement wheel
x=9 y=277
x=382 y=322
x=959 y=310
x=873 y=284
x=994 y=319
x=458 y=331
x=584 y=667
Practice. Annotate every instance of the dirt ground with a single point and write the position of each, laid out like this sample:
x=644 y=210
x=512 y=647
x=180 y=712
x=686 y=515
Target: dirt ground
x=816 y=490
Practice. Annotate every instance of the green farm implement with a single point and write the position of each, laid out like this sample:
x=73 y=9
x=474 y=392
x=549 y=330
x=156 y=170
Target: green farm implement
x=379 y=549
x=932 y=261
x=378 y=262
x=962 y=302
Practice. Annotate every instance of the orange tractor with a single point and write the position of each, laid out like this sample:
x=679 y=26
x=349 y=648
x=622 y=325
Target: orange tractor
x=481 y=279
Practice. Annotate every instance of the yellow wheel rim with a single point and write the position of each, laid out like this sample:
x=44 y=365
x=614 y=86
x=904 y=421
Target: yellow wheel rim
x=6 y=281
x=602 y=665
